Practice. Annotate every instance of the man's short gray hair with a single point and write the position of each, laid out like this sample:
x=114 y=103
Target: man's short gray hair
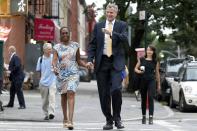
x=47 y=46
x=112 y=5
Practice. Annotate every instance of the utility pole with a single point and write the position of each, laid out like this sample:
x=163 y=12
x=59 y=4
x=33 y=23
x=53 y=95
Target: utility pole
x=129 y=27
x=179 y=51
x=143 y=16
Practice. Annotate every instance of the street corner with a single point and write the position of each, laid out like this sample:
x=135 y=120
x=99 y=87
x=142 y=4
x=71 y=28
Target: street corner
x=131 y=110
x=162 y=111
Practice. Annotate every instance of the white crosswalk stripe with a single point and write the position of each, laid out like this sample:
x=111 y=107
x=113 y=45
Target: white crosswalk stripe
x=170 y=126
x=159 y=125
x=50 y=126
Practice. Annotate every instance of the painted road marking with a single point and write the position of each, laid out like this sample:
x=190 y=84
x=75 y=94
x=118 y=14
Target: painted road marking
x=168 y=125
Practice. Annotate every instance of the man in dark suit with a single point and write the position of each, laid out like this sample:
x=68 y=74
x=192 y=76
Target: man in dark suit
x=16 y=77
x=107 y=48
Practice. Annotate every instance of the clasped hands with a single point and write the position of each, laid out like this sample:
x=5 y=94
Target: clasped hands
x=56 y=70
x=90 y=65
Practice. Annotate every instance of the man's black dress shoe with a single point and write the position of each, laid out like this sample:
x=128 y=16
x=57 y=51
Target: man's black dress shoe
x=21 y=107
x=108 y=126
x=9 y=106
x=46 y=118
x=119 y=124
x=51 y=116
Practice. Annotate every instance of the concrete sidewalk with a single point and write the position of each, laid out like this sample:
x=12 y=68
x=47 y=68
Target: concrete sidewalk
x=87 y=107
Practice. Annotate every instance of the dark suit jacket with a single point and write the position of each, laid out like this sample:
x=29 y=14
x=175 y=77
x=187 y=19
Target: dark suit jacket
x=17 y=74
x=119 y=38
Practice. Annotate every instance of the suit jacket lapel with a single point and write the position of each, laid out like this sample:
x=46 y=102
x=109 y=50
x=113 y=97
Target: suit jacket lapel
x=115 y=26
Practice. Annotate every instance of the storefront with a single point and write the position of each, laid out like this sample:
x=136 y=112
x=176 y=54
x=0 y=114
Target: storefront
x=13 y=15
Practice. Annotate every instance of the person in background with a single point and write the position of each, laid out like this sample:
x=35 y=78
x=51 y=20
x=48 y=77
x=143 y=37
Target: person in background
x=107 y=48
x=47 y=83
x=16 y=77
x=66 y=60
x=148 y=67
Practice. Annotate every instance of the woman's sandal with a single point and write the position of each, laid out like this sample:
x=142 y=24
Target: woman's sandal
x=70 y=126
x=65 y=123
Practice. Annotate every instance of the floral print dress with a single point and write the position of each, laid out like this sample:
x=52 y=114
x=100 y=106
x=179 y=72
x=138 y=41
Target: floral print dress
x=68 y=76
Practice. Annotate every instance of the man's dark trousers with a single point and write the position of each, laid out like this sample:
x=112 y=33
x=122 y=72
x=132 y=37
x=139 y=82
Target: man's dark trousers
x=16 y=88
x=109 y=87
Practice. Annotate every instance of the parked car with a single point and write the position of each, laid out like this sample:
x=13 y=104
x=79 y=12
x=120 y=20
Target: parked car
x=168 y=70
x=184 y=87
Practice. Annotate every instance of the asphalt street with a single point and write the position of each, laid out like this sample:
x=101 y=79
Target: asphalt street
x=88 y=115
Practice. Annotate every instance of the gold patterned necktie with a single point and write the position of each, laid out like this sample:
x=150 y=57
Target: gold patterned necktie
x=109 y=41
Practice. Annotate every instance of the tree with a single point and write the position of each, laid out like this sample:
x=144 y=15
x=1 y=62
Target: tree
x=181 y=17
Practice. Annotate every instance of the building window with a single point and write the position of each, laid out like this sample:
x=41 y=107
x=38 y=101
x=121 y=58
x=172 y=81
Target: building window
x=55 y=8
x=39 y=6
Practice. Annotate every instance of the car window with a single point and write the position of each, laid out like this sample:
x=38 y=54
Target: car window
x=181 y=73
x=191 y=74
x=173 y=67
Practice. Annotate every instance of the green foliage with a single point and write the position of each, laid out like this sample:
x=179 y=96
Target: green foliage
x=178 y=15
x=181 y=16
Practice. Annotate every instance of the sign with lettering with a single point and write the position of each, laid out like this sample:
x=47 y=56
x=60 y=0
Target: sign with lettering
x=44 y=29
x=4 y=32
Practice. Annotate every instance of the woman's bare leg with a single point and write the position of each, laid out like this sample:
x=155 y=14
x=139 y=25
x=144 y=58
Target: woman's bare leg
x=71 y=103
x=64 y=106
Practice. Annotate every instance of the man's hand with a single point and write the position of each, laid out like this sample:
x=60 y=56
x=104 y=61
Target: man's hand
x=89 y=65
x=106 y=31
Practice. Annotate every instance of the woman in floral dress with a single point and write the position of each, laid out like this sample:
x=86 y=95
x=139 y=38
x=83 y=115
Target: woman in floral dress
x=65 y=63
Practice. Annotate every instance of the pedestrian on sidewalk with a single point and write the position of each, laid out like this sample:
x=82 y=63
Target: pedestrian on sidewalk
x=66 y=60
x=47 y=84
x=107 y=48
x=148 y=67
x=16 y=77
